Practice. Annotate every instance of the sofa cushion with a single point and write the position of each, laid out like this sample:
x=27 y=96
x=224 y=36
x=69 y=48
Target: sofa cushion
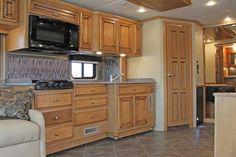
x=15 y=104
x=17 y=131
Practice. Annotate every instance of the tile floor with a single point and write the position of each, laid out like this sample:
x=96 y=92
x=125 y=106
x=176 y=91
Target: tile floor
x=177 y=142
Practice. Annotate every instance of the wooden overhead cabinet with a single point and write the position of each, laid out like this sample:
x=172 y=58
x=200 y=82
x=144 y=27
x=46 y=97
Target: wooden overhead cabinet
x=137 y=51
x=125 y=32
x=86 y=28
x=108 y=34
x=55 y=9
x=113 y=34
x=131 y=109
x=8 y=14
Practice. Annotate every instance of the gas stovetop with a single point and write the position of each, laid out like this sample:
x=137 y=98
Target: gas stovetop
x=52 y=84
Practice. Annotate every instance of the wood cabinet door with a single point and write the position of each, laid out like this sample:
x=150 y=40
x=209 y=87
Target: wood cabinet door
x=9 y=10
x=86 y=31
x=55 y=9
x=108 y=34
x=125 y=37
x=137 y=51
x=219 y=64
x=126 y=112
x=178 y=70
x=141 y=110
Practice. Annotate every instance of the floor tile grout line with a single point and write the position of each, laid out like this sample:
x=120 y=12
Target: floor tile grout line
x=85 y=147
x=174 y=148
x=114 y=148
x=143 y=147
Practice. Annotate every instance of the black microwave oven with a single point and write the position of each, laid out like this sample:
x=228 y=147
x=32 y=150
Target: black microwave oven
x=49 y=34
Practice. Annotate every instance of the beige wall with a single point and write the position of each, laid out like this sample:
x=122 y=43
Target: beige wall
x=198 y=43
x=210 y=51
x=150 y=65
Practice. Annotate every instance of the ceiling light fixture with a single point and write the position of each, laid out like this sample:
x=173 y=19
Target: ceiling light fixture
x=141 y=10
x=99 y=53
x=227 y=19
x=122 y=55
x=210 y=3
x=234 y=47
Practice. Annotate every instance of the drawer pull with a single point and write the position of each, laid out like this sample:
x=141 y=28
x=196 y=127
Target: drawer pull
x=92 y=90
x=56 y=117
x=92 y=117
x=92 y=103
x=56 y=14
x=56 y=135
x=55 y=100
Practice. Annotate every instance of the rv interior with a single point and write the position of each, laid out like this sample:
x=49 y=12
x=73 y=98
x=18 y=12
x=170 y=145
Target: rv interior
x=117 y=78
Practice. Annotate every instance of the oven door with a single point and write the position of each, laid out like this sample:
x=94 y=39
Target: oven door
x=47 y=34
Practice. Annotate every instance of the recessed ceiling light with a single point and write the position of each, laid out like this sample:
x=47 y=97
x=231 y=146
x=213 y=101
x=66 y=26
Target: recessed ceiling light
x=234 y=47
x=122 y=55
x=210 y=3
x=141 y=10
x=99 y=53
x=227 y=19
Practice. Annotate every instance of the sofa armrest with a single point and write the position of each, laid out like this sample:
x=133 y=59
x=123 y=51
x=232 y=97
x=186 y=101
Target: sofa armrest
x=37 y=117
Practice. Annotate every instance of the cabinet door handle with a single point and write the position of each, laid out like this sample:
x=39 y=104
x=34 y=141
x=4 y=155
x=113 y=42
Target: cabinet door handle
x=5 y=11
x=150 y=103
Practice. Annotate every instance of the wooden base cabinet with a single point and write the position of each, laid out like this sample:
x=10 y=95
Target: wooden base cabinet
x=57 y=107
x=131 y=109
x=91 y=111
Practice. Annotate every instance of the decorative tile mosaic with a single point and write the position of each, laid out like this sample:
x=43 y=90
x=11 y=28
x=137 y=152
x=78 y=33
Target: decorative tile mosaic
x=110 y=65
x=37 y=67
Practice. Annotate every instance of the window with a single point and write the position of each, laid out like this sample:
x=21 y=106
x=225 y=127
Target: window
x=83 y=70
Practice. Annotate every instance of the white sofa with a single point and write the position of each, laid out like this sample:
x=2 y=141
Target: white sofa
x=23 y=138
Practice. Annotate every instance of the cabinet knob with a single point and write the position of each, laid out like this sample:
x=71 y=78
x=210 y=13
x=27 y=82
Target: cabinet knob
x=56 y=117
x=56 y=14
x=55 y=100
x=171 y=75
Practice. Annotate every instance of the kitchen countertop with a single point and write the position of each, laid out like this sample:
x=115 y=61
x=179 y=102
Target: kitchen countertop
x=132 y=81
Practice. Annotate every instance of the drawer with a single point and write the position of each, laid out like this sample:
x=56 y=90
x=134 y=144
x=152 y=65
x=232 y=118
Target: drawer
x=90 y=129
x=58 y=133
x=58 y=10
x=60 y=116
x=91 y=103
x=91 y=116
x=133 y=89
x=52 y=100
x=83 y=90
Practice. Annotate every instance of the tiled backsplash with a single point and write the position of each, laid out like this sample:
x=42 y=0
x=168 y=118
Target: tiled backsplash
x=52 y=67
x=111 y=65
x=37 y=67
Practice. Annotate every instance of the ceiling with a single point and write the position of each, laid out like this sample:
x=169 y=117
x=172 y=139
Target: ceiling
x=208 y=16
